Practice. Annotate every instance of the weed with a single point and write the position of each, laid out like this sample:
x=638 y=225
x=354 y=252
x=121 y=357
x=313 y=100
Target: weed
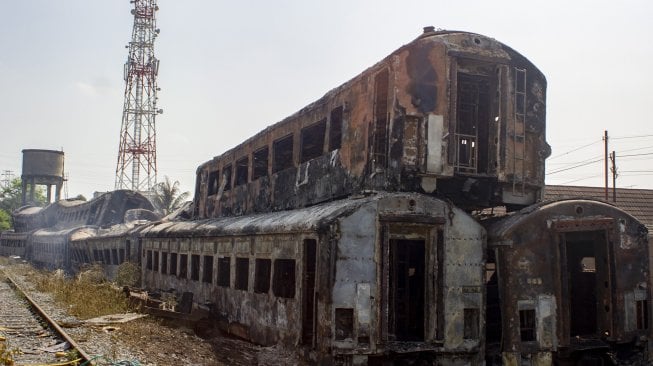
x=128 y=274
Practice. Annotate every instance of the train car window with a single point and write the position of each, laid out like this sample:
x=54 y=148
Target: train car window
x=527 y=325
x=121 y=255
x=381 y=84
x=262 y=275
x=207 y=273
x=260 y=163
x=344 y=324
x=470 y=323
x=282 y=154
x=96 y=255
x=226 y=177
x=224 y=271
x=242 y=274
x=242 y=171
x=335 y=129
x=283 y=283
x=312 y=141
x=148 y=260
x=642 y=314
x=183 y=266
x=155 y=266
x=173 y=263
x=114 y=257
x=107 y=256
x=195 y=267
x=213 y=182
x=164 y=262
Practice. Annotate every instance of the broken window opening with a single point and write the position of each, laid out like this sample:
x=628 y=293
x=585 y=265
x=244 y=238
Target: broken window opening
x=121 y=255
x=164 y=262
x=260 y=163
x=173 y=264
x=224 y=271
x=207 y=272
x=642 y=314
x=335 y=129
x=439 y=280
x=262 y=275
x=312 y=141
x=344 y=324
x=381 y=114
x=283 y=154
x=149 y=260
x=195 y=267
x=155 y=266
x=213 y=182
x=407 y=289
x=226 y=177
x=114 y=257
x=470 y=323
x=183 y=266
x=527 y=325
x=473 y=113
x=242 y=274
x=284 y=278
x=107 y=257
x=242 y=171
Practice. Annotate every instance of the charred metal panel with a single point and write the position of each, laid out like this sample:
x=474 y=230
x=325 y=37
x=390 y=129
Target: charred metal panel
x=579 y=263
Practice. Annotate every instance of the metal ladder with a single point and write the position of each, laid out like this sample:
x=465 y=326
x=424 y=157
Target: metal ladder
x=519 y=134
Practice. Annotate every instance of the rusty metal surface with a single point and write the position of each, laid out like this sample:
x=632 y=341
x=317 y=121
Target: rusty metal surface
x=421 y=124
x=535 y=267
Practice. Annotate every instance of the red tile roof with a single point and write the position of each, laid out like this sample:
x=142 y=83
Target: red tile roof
x=637 y=202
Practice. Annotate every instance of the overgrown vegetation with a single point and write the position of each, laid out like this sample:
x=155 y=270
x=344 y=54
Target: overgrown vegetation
x=86 y=296
x=6 y=354
x=128 y=274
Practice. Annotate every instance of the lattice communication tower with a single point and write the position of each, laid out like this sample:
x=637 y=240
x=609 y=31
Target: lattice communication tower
x=136 y=167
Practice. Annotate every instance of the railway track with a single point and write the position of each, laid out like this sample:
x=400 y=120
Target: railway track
x=27 y=329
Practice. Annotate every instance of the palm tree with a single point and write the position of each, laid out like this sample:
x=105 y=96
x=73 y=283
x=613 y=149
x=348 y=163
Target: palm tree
x=168 y=197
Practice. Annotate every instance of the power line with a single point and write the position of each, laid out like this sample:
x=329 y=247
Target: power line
x=630 y=137
x=574 y=167
x=579 y=179
x=576 y=149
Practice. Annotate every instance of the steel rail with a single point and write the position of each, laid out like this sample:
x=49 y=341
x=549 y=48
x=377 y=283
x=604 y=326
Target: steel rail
x=83 y=355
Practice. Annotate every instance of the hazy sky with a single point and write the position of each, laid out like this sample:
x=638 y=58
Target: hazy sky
x=230 y=68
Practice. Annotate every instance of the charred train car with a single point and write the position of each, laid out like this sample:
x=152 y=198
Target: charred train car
x=391 y=275
x=568 y=283
x=43 y=235
x=455 y=114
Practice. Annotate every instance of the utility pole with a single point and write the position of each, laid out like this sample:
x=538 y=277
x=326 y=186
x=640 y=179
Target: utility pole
x=605 y=143
x=613 y=159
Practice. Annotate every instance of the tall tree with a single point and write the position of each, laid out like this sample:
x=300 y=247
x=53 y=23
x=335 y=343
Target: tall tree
x=11 y=196
x=168 y=197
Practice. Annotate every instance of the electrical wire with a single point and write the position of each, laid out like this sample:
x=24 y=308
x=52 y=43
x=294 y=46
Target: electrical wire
x=574 y=167
x=576 y=149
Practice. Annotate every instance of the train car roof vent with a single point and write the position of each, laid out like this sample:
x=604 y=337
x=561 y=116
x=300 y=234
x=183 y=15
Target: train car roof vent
x=429 y=29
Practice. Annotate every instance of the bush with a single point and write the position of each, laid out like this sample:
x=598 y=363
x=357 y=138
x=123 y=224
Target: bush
x=128 y=274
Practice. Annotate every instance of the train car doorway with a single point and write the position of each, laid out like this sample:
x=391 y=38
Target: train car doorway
x=407 y=282
x=586 y=283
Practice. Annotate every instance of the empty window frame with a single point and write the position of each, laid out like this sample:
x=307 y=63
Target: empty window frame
x=312 y=141
x=344 y=323
x=207 y=270
x=527 y=325
x=183 y=266
x=242 y=274
x=155 y=266
x=470 y=323
x=195 y=267
x=260 y=163
x=121 y=255
x=242 y=171
x=107 y=256
x=335 y=129
x=173 y=263
x=283 y=153
x=262 y=275
x=226 y=177
x=213 y=182
x=114 y=257
x=642 y=314
x=284 y=278
x=224 y=271
x=381 y=84
x=149 y=260
x=164 y=262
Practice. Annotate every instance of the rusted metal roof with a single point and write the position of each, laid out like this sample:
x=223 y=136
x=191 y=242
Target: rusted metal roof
x=637 y=202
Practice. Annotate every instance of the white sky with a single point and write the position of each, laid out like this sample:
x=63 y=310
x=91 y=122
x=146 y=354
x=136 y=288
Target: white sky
x=230 y=68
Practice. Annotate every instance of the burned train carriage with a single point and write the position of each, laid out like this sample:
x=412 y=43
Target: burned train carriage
x=453 y=113
x=568 y=282
x=359 y=278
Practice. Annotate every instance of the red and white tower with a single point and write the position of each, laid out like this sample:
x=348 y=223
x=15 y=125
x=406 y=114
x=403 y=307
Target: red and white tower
x=136 y=167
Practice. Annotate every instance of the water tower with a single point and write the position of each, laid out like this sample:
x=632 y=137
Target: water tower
x=42 y=167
